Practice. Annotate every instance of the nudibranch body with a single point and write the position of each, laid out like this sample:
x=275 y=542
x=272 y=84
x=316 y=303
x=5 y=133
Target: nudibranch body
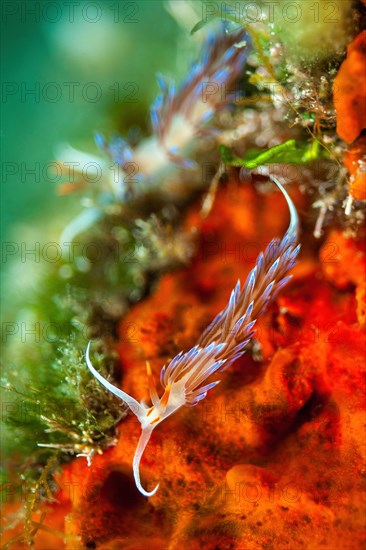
x=224 y=341
x=180 y=115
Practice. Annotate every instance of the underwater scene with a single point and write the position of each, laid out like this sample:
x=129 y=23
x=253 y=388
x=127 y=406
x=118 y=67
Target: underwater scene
x=183 y=275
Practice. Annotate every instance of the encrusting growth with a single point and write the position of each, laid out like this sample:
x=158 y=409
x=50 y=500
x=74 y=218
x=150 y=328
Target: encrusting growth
x=219 y=346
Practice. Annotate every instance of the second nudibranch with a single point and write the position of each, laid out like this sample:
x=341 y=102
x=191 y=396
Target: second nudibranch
x=224 y=340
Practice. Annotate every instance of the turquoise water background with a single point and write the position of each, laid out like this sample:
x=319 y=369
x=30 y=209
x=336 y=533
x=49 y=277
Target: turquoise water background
x=69 y=70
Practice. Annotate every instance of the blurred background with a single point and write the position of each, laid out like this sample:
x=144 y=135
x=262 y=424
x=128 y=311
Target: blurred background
x=69 y=70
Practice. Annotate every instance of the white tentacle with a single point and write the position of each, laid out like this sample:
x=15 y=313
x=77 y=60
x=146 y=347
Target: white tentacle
x=134 y=405
x=141 y=446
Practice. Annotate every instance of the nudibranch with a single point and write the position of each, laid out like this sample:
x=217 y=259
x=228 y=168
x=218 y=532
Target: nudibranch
x=224 y=340
x=183 y=112
x=180 y=115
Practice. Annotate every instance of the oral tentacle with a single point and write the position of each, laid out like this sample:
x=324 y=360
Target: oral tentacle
x=134 y=405
x=141 y=446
